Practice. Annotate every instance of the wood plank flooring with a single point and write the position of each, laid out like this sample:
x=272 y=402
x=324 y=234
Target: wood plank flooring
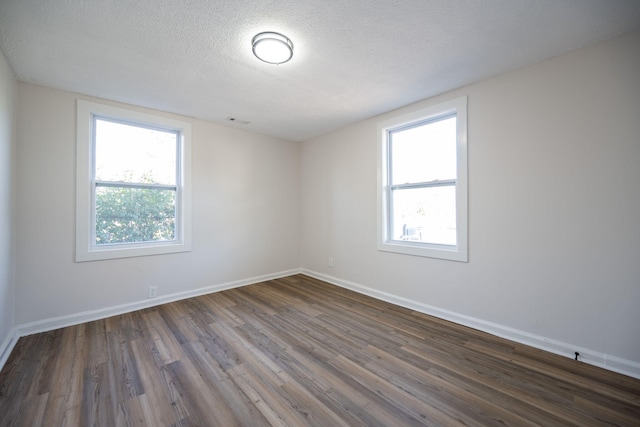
x=297 y=352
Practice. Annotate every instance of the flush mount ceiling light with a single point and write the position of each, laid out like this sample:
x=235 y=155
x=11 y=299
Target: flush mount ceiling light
x=273 y=48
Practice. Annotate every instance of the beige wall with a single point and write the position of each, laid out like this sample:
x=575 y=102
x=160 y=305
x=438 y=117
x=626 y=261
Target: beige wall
x=7 y=153
x=554 y=206
x=245 y=215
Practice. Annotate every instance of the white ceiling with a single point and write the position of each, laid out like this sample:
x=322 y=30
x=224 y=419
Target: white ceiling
x=352 y=59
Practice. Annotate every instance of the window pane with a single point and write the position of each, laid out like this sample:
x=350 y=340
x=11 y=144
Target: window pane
x=130 y=153
x=127 y=215
x=424 y=153
x=425 y=215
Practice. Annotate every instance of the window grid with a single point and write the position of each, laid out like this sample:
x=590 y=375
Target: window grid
x=96 y=183
x=392 y=188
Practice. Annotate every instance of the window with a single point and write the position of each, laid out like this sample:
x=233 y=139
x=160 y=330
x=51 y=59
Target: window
x=423 y=182
x=132 y=190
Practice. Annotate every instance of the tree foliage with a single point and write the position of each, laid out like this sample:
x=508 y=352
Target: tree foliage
x=127 y=215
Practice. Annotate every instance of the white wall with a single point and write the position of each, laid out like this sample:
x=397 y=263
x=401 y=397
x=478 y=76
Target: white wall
x=245 y=215
x=7 y=155
x=554 y=205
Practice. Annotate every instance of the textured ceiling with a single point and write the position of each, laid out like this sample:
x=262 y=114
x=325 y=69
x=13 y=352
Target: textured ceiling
x=352 y=59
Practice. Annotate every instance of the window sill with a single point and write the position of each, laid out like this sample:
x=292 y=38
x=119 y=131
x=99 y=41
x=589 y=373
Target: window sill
x=127 y=251
x=450 y=253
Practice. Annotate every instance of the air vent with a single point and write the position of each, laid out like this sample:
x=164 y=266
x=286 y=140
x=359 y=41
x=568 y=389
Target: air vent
x=238 y=121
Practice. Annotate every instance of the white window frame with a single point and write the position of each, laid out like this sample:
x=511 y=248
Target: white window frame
x=459 y=251
x=86 y=247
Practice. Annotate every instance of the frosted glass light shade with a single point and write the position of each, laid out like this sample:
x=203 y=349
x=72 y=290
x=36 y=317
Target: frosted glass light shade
x=273 y=48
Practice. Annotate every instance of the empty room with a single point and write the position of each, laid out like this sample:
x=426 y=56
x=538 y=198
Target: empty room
x=320 y=213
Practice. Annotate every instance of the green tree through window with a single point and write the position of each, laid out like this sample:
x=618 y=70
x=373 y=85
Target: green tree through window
x=126 y=215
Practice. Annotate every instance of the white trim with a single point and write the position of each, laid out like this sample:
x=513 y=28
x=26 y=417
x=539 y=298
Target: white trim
x=8 y=345
x=459 y=252
x=89 y=316
x=591 y=357
x=86 y=250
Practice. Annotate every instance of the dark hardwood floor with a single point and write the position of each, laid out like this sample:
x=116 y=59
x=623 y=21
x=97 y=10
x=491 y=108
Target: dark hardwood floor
x=298 y=351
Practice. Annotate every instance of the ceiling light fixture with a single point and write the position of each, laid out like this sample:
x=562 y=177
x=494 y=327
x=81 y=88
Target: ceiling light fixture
x=273 y=48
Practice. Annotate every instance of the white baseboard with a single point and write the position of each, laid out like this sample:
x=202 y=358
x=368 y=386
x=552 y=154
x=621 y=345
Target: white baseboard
x=89 y=316
x=612 y=363
x=7 y=346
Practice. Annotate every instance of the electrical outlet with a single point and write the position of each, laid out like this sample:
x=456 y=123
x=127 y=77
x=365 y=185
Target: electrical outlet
x=330 y=262
x=153 y=291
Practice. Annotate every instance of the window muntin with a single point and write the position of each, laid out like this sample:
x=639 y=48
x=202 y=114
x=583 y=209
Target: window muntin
x=133 y=184
x=423 y=183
